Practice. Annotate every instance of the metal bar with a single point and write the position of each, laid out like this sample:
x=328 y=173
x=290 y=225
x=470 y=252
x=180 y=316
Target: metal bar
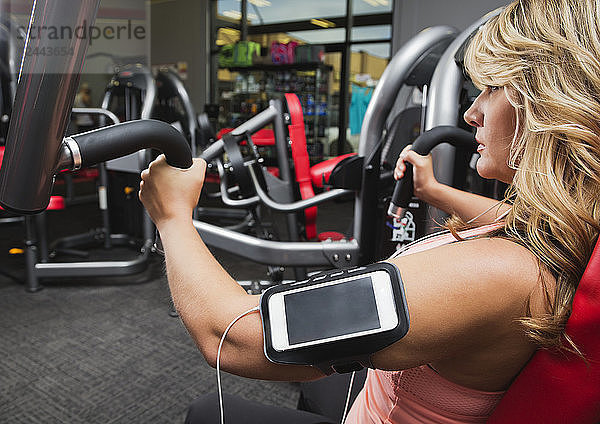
x=103 y=173
x=223 y=213
x=103 y=204
x=444 y=99
x=11 y=220
x=31 y=255
x=244 y=21
x=94 y=269
x=295 y=206
x=285 y=175
x=236 y=203
x=170 y=77
x=335 y=253
x=252 y=125
x=40 y=225
x=148 y=97
x=281 y=145
x=97 y=111
x=384 y=96
x=345 y=81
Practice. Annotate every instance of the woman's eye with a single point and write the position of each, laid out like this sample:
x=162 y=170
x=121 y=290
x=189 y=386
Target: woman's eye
x=492 y=88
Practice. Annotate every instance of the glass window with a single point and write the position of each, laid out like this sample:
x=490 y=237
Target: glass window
x=379 y=50
x=275 y=11
x=372 y=32
x=368 y=7
x=331 y=35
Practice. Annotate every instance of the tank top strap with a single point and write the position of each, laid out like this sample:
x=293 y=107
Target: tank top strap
x=445 y=237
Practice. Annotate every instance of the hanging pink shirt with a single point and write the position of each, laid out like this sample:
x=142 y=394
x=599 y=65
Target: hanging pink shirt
x=421 y=395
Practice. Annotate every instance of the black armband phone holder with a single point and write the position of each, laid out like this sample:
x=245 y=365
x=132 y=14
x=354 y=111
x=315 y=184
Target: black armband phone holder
x=354 y=350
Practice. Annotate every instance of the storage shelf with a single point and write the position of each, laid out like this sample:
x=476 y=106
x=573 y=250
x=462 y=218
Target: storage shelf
x=284 y=67
x=307 y=80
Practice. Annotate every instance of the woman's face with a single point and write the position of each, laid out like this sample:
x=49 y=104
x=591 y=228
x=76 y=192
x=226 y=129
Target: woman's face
x=495 y=120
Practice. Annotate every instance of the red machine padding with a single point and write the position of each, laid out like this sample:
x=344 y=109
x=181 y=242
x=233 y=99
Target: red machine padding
x=321 y=172
x=301 y=161
x=561 y=387
x=331 y=235
x=88 y=173
x=212 y=178
x=56 y=202
x=263 y=137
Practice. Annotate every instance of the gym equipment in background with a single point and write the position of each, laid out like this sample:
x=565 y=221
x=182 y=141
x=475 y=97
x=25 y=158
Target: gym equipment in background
x=173 y=105
x=130 y=95
x=364 y=245
x=44 y=96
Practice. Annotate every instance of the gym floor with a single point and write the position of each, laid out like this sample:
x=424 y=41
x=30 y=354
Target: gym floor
x=106 y=350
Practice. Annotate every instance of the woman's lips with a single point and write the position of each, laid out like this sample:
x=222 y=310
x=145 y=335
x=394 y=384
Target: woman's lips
x=480 y=146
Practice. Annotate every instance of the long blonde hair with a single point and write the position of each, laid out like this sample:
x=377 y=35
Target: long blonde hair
x=546 y=54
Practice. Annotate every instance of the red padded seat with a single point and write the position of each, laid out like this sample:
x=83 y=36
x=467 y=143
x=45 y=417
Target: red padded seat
x=560 y=387
x=320 y=173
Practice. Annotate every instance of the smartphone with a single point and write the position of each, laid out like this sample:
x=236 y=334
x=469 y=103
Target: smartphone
x=335 y=310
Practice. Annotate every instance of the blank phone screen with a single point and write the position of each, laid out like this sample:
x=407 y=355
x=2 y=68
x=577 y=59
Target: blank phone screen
x=330 y=311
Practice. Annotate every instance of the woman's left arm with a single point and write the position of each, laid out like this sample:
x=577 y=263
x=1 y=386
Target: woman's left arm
x=205 y=296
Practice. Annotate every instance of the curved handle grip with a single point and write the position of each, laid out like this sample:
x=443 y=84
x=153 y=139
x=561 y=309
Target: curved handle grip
x=403 y=191
x=122 y=139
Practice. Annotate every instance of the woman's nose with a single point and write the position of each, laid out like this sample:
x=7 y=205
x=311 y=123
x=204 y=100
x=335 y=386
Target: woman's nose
x=473 y=116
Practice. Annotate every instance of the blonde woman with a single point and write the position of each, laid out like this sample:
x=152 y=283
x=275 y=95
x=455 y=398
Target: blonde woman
x=480 y=304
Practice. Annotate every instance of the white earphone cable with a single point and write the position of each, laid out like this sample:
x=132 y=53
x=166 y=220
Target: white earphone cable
x=243 y=314
x=344 y=415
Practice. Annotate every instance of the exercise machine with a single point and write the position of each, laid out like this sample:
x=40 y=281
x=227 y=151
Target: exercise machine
x=45 y=95
x=364 y=245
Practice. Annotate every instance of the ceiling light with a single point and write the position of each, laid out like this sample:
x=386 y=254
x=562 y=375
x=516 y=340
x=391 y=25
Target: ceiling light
x=323 y=23
x=229 y=31
x=233 y=14
x=260 y=3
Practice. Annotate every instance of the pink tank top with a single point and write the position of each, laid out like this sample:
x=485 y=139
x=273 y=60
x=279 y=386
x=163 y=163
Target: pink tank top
x=421 y=395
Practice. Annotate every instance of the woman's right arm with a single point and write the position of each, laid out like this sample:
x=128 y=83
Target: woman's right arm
x=449 y=199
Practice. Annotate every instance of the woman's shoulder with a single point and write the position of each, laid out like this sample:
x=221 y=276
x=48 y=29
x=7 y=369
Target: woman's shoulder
x=490 y=274
x=482 y=258
x=462 y=298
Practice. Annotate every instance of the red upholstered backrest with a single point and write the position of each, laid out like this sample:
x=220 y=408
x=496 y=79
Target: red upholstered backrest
x=262 y=137
x=301 y=161
x=561 y=387
x=321 y=172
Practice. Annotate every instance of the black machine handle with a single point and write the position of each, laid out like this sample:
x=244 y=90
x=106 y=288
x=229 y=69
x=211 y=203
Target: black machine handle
x=128 y=137
x=403 y=191
x=123 y=139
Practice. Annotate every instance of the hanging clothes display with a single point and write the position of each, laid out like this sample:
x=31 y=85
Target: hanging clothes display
x=361 y=96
